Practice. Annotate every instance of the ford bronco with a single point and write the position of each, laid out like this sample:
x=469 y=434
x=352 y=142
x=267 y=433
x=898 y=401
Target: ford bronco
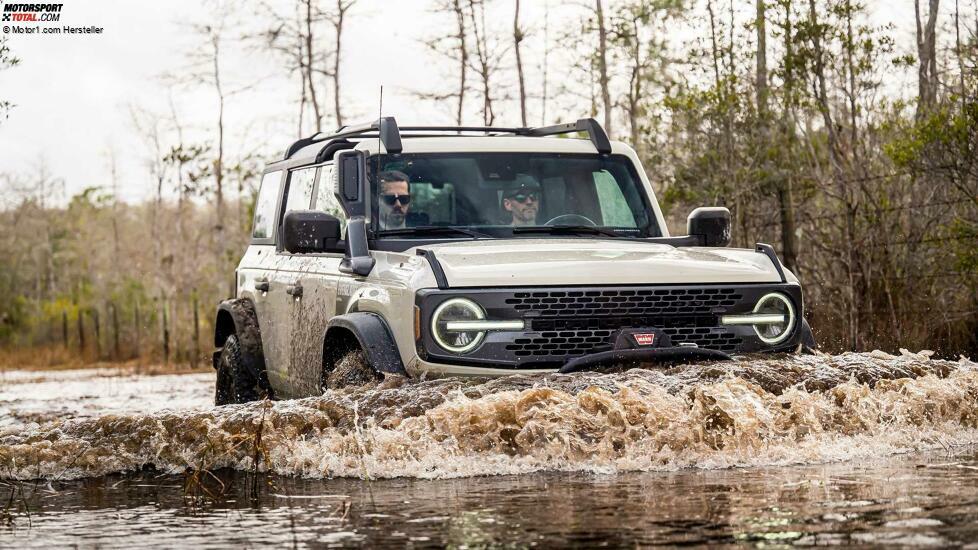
x=483 y=252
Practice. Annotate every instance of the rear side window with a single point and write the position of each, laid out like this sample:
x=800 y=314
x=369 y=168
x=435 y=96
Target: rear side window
x=271 y=184
x=325 y=197
x=301 y=183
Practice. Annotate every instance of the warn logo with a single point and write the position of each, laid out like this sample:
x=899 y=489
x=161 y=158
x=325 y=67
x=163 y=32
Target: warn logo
x=644 y=339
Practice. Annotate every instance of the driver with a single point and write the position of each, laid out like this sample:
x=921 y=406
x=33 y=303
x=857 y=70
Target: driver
x=395 y=199
x=523 y=202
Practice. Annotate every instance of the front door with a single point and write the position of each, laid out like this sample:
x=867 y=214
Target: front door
x=304 y=288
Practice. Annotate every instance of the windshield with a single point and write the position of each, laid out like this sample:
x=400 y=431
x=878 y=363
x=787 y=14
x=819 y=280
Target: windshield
x=507 y=194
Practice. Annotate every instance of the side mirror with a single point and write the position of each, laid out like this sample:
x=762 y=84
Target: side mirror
x=351 y=190
x=711 y=224
x=351 y=182
x=305 y=231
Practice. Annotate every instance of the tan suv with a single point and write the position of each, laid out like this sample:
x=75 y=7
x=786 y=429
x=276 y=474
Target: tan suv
x=484 y=252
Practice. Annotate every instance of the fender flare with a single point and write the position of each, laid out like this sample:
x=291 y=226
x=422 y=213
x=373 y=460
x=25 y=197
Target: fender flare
x=237 y=316
x=807 y=339
x=374 y=336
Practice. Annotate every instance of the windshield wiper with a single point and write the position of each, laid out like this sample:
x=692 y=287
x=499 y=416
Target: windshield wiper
x=434 y=230
x=567 y=230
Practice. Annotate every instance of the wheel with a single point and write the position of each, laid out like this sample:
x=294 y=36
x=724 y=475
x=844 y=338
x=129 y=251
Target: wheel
x=352 y=369
x=235 y=381
x=571 y=219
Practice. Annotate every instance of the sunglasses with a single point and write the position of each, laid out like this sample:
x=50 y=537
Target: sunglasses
x=391 y=199
x=523 y=197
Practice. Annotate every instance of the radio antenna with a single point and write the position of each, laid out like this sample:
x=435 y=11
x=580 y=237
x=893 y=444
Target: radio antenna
x=380 y=128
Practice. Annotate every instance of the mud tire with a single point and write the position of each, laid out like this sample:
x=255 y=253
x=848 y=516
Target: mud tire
x=235 y=382
x=352 y=370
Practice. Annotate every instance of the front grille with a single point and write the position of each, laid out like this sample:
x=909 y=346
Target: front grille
x=704 y=337
x=624 y=302
x=567 y=322
x=570 y=343
x=560 y=344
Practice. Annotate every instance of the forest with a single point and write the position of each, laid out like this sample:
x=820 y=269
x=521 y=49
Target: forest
x=845 y=141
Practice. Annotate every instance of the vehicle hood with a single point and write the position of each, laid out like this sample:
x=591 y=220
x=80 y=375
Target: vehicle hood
x=534 y=262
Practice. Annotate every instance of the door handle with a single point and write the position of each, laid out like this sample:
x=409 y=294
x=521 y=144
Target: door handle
x=294 y=290
x=261 y=286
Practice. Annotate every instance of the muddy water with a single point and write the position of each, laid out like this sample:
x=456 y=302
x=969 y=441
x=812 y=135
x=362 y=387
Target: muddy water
x=867 y=448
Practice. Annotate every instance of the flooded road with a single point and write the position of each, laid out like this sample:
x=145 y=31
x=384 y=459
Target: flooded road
x=859 y=448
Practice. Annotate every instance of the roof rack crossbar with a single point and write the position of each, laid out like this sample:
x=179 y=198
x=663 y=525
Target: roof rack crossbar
x=386 y=127
x=390 y=135
x=590 y=126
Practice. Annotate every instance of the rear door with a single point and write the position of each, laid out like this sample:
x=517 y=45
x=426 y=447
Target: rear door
x=258 y=264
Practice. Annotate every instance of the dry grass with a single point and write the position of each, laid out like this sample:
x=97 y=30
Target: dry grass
x=57 y=358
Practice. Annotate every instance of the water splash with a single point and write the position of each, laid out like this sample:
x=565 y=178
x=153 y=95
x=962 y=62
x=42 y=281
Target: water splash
x=780 y=410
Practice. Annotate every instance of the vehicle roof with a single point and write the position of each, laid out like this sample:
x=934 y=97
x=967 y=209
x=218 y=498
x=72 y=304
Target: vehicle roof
x=385 y=136
x=464 y=144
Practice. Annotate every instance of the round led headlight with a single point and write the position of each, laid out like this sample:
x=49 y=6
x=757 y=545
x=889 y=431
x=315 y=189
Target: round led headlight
x=452 y=314
x=778 y=315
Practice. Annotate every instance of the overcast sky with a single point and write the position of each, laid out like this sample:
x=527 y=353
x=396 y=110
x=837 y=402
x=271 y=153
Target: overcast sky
x=74 y=92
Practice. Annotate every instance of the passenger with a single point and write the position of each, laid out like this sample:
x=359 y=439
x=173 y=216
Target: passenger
x=395 y=199
x=523 y=202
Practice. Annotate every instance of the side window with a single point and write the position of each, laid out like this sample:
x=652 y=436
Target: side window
x=326 y=200
x=301 y=183
x=271 y=183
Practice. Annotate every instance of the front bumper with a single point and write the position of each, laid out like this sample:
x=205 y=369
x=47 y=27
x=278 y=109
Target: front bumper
x=562 y=324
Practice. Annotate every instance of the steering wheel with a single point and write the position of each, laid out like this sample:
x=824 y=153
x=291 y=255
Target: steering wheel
x=572 y=219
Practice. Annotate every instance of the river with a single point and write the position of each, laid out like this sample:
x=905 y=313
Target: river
x=863 y=448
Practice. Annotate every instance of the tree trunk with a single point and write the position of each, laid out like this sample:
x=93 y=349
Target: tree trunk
x=761 y=75
x=927 y=80
x=98 y=334
x=310 y=75
x=137 y=332
x=81 y=332
x=836 y=161
x=341 y=7
x=196 y=343
x=166 y=333
x=518 y=37
x=463 y=59
x=115 y=332
x=602 y=55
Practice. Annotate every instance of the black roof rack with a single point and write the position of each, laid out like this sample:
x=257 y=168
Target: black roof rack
x=390 y=135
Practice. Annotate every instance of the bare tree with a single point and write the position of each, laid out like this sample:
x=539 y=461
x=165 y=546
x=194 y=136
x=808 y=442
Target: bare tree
x=296 y=39
x=336 y=19
x=455 y=48
x=488 y=58
x=518 y=36
x=602 y=61
x=7 y=60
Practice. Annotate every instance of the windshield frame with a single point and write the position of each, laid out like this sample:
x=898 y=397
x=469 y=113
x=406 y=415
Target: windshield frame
x=650 y=229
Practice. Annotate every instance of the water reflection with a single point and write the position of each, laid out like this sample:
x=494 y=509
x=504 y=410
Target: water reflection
x=906 y=500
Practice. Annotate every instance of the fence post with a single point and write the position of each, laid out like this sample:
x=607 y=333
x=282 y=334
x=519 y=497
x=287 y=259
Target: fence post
x=64 y=328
